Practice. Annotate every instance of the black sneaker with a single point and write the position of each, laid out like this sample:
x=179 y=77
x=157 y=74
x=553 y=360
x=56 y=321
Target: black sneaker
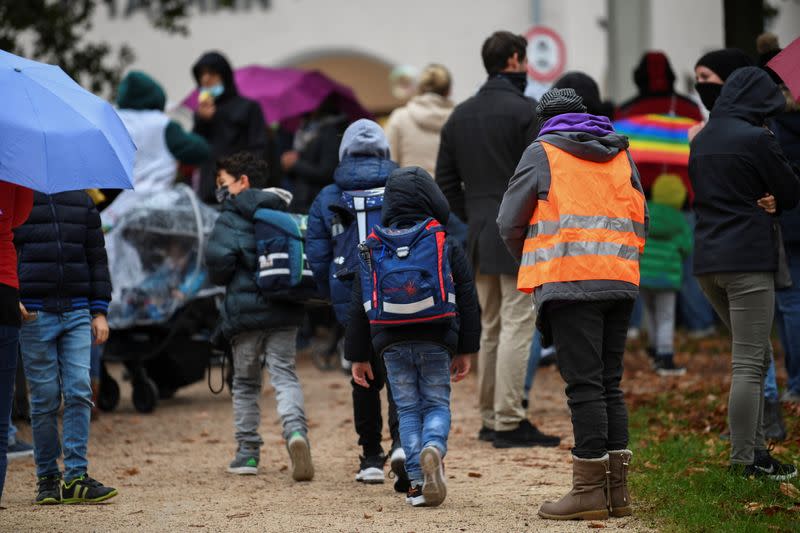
x=486 y=434
x=397 y=461
x=666 y=367
x=525 y=436
x=766 y=465
x=85 y=490
x=371 y=469
x=48 y=490
x=414 y=496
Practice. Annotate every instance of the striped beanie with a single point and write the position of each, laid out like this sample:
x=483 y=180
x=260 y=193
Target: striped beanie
x=559 y=101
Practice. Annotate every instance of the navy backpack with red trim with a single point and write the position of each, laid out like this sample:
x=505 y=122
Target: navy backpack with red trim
x=406 y=276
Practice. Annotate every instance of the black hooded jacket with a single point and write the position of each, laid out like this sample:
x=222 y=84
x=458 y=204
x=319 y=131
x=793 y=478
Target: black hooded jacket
x=735 y=160
x=411 y=196
x=237 y=125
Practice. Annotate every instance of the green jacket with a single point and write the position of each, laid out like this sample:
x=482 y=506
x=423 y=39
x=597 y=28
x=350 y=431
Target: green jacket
x=669 y=241
x=231 y=259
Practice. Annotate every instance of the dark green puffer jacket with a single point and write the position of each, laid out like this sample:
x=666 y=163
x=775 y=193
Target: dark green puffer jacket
x=231 y=260
x=669 y=241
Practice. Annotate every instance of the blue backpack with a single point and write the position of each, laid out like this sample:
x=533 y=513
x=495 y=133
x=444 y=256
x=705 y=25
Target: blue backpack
x=354 y=215
x=406 y=276
x=282 y=272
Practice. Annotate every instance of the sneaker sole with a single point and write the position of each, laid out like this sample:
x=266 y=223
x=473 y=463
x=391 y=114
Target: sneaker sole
x=243 y=470
x=434 y=489
x=19 y=455
x=372 y=476
x=398 y=466
x=783 y=477
x=47 y=501
x=419 y=501
x=73 y=501
x=300 y=453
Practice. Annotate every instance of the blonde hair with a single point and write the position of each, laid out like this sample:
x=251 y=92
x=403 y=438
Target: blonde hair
x=434 y=79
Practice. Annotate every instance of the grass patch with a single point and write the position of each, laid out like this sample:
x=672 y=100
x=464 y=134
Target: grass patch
x=679 y=477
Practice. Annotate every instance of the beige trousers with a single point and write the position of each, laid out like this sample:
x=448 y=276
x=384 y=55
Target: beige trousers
x=507 y=319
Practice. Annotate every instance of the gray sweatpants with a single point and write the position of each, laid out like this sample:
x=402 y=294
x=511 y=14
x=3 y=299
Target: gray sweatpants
x=746 y=304
x=659 y=316
x=276 y=350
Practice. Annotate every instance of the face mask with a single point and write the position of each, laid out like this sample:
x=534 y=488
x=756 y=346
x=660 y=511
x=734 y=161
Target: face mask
x=222 y=194
x=709 y=92
x=215 y=90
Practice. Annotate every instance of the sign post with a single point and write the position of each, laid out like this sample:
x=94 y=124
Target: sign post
x=547 y=54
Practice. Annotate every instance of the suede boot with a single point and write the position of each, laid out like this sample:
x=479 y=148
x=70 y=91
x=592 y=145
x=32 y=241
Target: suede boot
x=588 y=499
x=619 y=499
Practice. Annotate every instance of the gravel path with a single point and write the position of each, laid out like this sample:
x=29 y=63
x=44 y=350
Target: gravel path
x=170 y=470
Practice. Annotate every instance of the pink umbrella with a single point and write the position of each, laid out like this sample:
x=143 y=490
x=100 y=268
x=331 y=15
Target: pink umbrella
x=787 y=65
x=286 y=94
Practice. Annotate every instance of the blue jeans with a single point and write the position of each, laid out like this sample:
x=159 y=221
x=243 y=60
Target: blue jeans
x=419 y=376
x=56 y=354
x=96 y=362
x=694 y=309
x=770 y=383
x=533 y=361
x=9 y=338
x=787 y=315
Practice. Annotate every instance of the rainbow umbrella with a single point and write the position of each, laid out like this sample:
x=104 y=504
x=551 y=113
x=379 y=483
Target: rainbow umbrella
x=657 y=139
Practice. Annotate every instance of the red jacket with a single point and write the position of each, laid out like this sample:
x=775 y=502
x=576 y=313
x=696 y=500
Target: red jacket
x=15 y=206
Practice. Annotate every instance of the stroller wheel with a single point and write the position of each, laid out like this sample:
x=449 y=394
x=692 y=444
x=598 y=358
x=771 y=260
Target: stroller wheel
x=108 y=398
x=145 y=394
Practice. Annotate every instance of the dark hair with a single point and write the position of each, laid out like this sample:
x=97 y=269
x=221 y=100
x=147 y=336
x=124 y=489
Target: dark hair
x=245 y=163
x=499 y=47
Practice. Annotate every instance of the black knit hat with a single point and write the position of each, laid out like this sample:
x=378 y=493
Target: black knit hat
x=724 y=62
x=559 y=101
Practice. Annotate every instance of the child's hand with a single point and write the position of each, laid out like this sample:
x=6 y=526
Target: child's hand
x=362 y=371
x=100 y=329
x=460 y=366
x=26 y=316
x=768 y=204
x=694 y=130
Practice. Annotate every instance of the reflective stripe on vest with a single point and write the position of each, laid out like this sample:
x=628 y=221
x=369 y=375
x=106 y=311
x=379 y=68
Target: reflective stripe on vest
x=590 y=227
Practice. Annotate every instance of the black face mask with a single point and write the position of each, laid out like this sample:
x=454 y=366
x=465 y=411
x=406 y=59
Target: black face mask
x=517 y=79
x=709 y=92
x=222 y=194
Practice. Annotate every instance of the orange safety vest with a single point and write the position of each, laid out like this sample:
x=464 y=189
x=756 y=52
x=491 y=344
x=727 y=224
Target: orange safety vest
x=591 y=227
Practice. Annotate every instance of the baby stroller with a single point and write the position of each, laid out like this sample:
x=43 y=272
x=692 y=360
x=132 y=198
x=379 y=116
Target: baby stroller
x=163 y=309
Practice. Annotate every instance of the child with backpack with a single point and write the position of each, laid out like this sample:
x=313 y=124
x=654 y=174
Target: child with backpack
x=415 y=305
x=341 y=217
x=258 y=329
x=65 y=289
x=668 y=244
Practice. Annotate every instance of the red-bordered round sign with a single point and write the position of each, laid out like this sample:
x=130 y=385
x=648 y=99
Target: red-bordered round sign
x=547 y=54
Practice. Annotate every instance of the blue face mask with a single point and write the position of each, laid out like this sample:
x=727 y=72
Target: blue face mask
x=215 y=90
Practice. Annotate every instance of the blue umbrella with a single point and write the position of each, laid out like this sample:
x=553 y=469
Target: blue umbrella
x=54 y=135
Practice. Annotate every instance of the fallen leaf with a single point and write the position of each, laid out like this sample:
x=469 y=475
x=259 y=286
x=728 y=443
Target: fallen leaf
x=380 y=509
x=132 y=471
x=790 y=490
x=651 y=466
x=773 y=510
x=596 y=525
x=136 y=512
x=367 y=516
x=753 y=507
x=284 y=468
x=474 y=474
x=237 y=515
x=696 y=469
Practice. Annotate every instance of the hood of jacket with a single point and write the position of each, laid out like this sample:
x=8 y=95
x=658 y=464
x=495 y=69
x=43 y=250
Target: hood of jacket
x=218 y=63
x=364 y=137
x=360 y=172
x=139 y=91
x=585 y=87
x=411 y=196
x=586 y=136
x=654 y=75
x=247 y=202
x=430 y=111
x=751 y=95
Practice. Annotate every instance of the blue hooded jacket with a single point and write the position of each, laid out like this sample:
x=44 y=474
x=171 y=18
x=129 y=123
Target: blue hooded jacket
x=364 y=164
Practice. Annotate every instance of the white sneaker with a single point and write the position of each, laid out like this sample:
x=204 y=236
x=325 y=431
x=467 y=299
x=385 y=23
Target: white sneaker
x=371 y=470
x=434 y=487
